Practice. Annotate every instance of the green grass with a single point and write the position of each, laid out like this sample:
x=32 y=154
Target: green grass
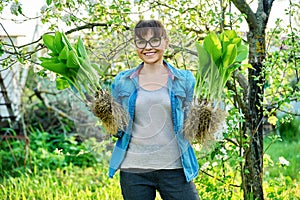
x=81 y=182
x=290 y=151
x=63 y=184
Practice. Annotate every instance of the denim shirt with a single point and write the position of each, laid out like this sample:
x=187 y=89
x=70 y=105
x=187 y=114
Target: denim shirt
x=181 y=89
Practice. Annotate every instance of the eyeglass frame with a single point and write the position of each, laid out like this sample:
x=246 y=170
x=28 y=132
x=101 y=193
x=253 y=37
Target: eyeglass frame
x=148 y=42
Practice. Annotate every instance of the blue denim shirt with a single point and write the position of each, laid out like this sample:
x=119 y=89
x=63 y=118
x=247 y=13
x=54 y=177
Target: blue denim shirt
x=181 y=89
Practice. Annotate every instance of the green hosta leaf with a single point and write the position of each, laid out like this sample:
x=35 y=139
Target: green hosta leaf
x=229 y=55
x=73 y=61
x=49 y=42
x=81 y=49
x=59 y=68
x=58 y=43
x=66 y=41
x=64 y=54
x=203 y=58
x=62 y=83
x=242 y=53
x=214 y=81
x=213 y=46
x=228 y=34
x=237 y=41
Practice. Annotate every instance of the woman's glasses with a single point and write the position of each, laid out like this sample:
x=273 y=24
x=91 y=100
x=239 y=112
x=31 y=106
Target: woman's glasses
x=141 y=43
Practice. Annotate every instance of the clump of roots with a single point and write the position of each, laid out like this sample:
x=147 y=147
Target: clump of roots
x=111 y=114
x=203 y=122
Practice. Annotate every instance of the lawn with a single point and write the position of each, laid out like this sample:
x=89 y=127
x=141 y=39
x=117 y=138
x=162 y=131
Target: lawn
x=70 y=181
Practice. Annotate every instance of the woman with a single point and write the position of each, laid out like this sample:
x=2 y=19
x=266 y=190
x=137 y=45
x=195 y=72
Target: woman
x=152 y=154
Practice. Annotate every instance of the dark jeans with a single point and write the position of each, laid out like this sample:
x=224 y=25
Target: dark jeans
x=170 y=184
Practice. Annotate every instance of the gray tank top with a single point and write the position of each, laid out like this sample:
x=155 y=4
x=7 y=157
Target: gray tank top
x=153 y=144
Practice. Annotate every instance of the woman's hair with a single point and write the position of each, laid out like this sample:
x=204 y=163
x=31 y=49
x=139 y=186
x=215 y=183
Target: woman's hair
x=144 y=26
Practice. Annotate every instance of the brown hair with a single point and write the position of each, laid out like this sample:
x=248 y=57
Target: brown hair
x=144 y=26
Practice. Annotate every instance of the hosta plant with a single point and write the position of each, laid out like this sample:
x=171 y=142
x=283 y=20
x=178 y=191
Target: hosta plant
x=218 y=56
x=73 y=68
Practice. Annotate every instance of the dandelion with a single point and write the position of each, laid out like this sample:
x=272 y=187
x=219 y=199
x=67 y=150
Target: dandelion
x=283 y=161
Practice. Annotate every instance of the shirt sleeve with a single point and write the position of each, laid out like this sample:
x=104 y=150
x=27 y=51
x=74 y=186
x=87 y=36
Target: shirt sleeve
x=190 y=85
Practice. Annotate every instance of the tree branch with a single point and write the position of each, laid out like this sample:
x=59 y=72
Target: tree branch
x=90 y=26
x=244 y=8
x=237 y=98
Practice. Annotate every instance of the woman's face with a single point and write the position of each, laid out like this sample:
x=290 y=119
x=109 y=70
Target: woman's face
x=151 y=49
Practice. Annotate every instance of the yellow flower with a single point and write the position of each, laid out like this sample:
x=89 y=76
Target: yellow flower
x=272 y=120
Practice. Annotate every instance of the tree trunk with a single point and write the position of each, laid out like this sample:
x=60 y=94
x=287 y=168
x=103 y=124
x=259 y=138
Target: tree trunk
x=252 y=171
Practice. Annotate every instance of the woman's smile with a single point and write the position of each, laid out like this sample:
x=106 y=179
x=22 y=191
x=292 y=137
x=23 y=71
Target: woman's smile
x=149 y=53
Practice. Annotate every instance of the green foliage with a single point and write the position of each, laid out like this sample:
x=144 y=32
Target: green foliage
x=278 y=152
x=63 y=183
x=218 y=56
x=71 y=64
x=109 y=43
x=289 y=128
x=48 y=151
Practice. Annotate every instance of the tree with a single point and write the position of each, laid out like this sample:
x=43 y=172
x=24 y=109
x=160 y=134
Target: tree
x=253 y=168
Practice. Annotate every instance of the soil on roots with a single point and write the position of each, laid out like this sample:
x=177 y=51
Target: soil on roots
x=111 y=114
x=203 y=122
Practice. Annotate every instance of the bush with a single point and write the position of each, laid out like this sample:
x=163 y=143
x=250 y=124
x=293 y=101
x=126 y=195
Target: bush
x=48 y=151
x=290 y=128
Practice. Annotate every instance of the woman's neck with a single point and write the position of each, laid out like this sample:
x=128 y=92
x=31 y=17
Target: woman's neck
x=157 y=68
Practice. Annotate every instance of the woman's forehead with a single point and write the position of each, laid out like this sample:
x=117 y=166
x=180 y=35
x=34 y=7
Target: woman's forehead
x=148 y=32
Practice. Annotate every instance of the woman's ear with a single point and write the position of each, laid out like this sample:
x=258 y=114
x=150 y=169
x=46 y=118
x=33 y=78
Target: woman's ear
x=166 y=43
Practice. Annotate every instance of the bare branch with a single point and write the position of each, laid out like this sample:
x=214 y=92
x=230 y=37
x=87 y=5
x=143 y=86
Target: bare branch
x=291 y=113
x=90 y=26
x=12 y=43
x=244 y=8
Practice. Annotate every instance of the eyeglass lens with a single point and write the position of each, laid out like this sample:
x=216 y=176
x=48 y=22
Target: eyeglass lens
x=154 y=42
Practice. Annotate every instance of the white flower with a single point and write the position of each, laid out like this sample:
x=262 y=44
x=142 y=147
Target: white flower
x=219 y=136
x=37 y=68
x=223 y=150
x=66 y=18
x=283 y=161
x=223 y=155
x=43 y=9
x=93 y=2
x=214 y=164
x=205 y=166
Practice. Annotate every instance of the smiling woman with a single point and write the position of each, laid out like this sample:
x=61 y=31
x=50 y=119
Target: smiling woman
x=151 y=41
x=152 y=153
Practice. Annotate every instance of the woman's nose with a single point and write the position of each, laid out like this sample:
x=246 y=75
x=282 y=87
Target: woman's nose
x=148 y=46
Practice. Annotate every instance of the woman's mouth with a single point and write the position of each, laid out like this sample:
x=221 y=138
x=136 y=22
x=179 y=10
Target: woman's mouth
x=149 y=53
